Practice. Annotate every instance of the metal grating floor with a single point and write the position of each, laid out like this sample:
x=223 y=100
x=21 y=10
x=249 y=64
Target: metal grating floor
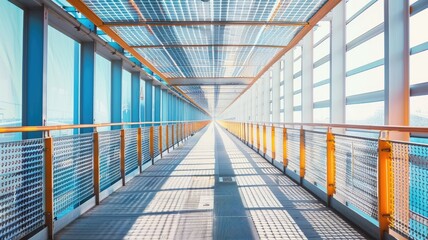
x=182 y=197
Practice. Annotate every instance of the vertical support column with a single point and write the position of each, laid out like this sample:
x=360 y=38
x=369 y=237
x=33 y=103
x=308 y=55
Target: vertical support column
x=96 y=167
x=307 y=78
x=284 y=148
x=273 y=143
x=122 y=156
x=275 y=91
x=338 y=68
x=49 y=197
x=302 y=154
x=139 y=147
x=135 y=98
x=148 y=101
x=331 y=166
x=385 y=181
x=288 y=87
x=34 y=70
x=87 y=84
x=157 y=103
x=116 y=93
x=397 y=94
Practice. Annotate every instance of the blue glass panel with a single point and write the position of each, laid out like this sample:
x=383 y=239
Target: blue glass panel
x=11 y=52
x=102 y=92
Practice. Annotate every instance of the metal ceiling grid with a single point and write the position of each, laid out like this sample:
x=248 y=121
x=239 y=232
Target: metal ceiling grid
x=207 y=41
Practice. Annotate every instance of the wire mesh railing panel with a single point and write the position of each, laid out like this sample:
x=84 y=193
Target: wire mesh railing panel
x=21 y=188
x=145 y=144
x=356 y=173
x=410 y=190
x=164 y=137
x=131 y=154
x=316 y=158
x=73 y=168
x=269 y=141
x=156 y=142
x=278 y=145
x=293 y=150
x=109 y=148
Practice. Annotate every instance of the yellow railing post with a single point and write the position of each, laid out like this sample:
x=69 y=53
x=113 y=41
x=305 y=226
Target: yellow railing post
x=160 y=140
x=284 y=148
x=173 y=139
x=258 y=138
x=122 y=155
x=139 y=143
x=264 y=140
x=273 y=143
x=331 y=166
x=167 y=138
x=49 y=197
x=302 y=154
x=151 y=144
x=384 y=185
x=96 y=168
x=252 y=135
x=244 y=133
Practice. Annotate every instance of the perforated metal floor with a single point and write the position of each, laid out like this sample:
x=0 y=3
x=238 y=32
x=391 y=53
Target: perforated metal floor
x=183 y=197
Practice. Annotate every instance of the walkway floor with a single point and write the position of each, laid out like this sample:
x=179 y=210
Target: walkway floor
x=183 y=197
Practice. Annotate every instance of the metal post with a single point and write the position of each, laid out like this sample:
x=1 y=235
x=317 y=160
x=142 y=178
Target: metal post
x=87 y=82
x=302 y=154
x=116 y=93
x=96 y=168
x=331 y=166
x=167 y=138
x=385 y=181
x=139 y=152
x=122 y=155
x=264 y=140
x=49 y=197
x=284 y=148
x=160 y=140
x=151 y=144
x=173 y=139
x=258 y=138
x=273 y=143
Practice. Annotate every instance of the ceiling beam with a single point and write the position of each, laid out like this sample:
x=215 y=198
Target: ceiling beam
x=203 y=23
x=320 y=14
x=208 y=45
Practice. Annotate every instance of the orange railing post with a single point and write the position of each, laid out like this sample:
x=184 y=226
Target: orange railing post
x=151 y=144
x=384 y=185
x=284 y=148
x=139 y=147
x=258 y=138
x=49 y=187
x=172 y=136
x=273 y=143
x=160 y=140
x=167 y=138
x=331 y=166
x=264 y=140
x=302 y=154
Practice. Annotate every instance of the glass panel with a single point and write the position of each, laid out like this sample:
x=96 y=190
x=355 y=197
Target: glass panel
x=322 y=50
x=297 y=52
x=369 y=51
x=321 y=30
x=11 y=53
x=322 y=72
x=353 y=6
x=364 y=82
x=419 y=111
x=417 y=28
x=297 y=99
x=126 y=96
x=297 y=83
x=322 y=115
x=297 y=66
x=102 y=93
x=62 y=72
x=418 y=68
x=366 y=113
x=322 y=93
x=369 y=19
x=297 y=116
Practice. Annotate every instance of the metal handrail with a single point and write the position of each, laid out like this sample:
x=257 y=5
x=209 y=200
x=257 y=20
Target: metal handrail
x=395 y=128
x=79 y=126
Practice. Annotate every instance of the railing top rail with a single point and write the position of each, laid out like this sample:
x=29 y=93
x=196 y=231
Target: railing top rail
x=395 y=128
x=79 y=126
